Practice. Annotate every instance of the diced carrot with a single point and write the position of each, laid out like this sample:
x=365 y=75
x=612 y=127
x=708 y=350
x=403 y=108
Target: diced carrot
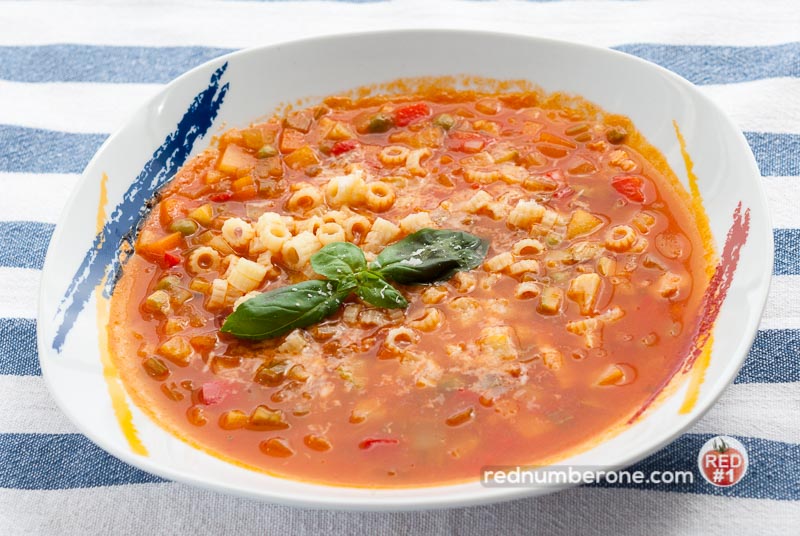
x=301 y=158
x=291 y=140
x=244 y=188
x=153 y=247
x=236 y=160
x=171 y=209
x=253 y=138
x=552 y=151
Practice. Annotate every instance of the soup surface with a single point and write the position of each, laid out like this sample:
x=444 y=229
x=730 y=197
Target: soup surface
x=585 y=303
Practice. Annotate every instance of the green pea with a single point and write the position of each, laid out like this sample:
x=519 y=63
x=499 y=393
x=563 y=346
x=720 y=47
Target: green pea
x=267 y=151
x=380 y=123
x=185 y=226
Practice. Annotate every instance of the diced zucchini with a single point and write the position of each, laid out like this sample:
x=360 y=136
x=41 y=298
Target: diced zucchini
x=155 y=368
x=168 y=282
x=270 y=374
x=158 y=302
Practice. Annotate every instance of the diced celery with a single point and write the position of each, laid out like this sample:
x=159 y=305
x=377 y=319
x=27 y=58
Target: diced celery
x=167 y=282
x=156 y=368
x=264 y=418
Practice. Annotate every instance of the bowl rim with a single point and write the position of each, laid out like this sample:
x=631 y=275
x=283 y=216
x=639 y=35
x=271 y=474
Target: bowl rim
x=380 y=499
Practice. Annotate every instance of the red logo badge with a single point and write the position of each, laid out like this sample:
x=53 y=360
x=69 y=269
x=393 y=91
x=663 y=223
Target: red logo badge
x=723 y=461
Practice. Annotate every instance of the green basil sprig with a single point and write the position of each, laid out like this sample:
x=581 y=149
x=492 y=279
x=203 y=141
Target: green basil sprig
x=426 y=256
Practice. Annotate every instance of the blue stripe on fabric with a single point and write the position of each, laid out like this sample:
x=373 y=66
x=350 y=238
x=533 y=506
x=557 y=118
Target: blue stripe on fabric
x=703 y=64
x=777 y=154
x=62 y=461
x=96 y=63
x=23 y=244
x=773 y=358
x=787 y=251
x=18 y=353
x=773 y=473
x=67 y=461
x=34 y=150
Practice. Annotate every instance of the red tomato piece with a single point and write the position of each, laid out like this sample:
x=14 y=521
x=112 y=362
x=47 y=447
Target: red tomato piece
x=220 y=197
x=630 y=186
x=373 y=441
x=406 y=115
x=171 y=260
x=344 y=146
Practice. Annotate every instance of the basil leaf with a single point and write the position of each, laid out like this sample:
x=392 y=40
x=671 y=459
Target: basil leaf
x=338 y=260
x=279 y=311
x=430 y=255
x=374 y=290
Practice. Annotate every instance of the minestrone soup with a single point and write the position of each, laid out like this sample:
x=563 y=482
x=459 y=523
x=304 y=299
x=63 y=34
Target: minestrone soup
x=401 y=290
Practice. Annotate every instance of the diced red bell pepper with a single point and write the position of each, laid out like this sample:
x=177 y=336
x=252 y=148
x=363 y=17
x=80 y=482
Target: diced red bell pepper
x=171 y=260
x=220 y=197
x=374 y=441
x=344 y=146
x=405 y=115
x=630 y=186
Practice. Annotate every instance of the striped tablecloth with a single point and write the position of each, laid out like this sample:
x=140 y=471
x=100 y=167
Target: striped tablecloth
x=71 y=73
